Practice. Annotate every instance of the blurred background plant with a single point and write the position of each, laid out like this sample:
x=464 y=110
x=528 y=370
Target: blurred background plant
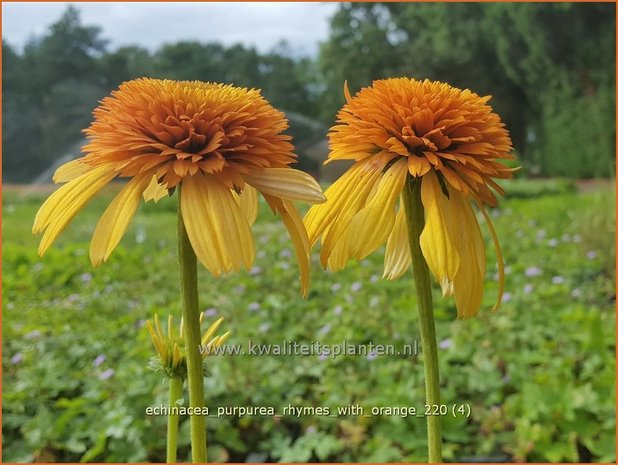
x=539 y=374
x=549 y=66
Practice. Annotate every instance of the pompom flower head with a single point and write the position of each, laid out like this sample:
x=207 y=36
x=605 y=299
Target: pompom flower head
x=219 y=143
x=405 y=130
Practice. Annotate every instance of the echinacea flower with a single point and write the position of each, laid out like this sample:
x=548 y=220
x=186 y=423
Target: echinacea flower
x=219 y=143
x=404 y=129
x=170 y=346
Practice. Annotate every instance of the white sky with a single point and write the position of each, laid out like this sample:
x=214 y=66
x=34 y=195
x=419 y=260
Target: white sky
x=261 y=24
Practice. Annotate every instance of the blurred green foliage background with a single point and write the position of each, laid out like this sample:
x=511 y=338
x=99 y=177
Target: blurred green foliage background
x=539 y=374
x=549 y=66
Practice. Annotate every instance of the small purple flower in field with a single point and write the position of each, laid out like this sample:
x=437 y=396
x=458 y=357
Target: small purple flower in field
x=337 y=310
x=552 y=242
x=566 y=238
x=140 y=323
x=73 y=298
x=253 y=306
x=374 y=301
x=264 y=238
x=557 y=280
x=577 y=238
x=260 y=254
x=264 y=327
x=591 y=254
x=374 y=278
x=283 y=265
x=372 y=355
x=506 y=297
x=17 y=358
x=107 y=374
x=33 y=334
x=507 y=269
x=255 y=270
x=311 y=429
x=335 y=287
x=210 y=312
x=445 y=344
x=356 y=286
x=577 y=292
x=325 y=329
x=323 y=356
x=533 y=271
x=541 y=234
x=239 y=289
x=99 y=360
x=285 y=253
x=528 y=288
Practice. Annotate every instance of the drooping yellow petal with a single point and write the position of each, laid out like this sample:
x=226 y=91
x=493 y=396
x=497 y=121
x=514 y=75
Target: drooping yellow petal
x=439 y=244
x=115 y=221
x=397 y=257
x=346 y=197
x=372 y=225
x=286 y=183
x=468 y=282
x=294 y=224
x=248 y=202
x=217 y=228
x=71 y=170
x=154 y=191
x=62 y=206
x=499 y=257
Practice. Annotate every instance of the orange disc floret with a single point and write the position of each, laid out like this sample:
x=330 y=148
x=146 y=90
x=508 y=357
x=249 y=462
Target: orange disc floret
x=183 y=127
x=432 y=124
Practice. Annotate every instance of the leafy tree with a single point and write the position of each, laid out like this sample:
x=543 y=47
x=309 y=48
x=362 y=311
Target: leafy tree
x=548 y=66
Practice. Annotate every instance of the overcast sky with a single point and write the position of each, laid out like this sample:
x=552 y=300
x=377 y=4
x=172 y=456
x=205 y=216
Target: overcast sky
x=260 y=24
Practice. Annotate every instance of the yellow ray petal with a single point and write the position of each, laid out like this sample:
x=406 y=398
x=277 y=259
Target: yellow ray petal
x=294 y=224
x=372 y=225
x=212 y=329
x=115 y=221
x=440 y=246
x=499 y=257
x=248 y=202
x=71 y=170
x=346 y=197
x=397 y=257
x=49 y=209
x=62 y=206
x=319 y=217
x=286 y=183
x=468 y=282
x=154 y=191
x=216 y=226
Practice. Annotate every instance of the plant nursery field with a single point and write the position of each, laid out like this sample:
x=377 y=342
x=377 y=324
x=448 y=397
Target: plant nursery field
x=538 y=375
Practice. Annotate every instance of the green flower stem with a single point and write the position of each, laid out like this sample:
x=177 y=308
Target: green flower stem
x=415 y=216
x=175 y=393
x=191 y=321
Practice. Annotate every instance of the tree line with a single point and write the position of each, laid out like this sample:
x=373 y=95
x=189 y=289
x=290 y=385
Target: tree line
x=549 y=66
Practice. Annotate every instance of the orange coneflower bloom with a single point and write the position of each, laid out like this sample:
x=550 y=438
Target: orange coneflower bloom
x=218 y=143
x=401 y=128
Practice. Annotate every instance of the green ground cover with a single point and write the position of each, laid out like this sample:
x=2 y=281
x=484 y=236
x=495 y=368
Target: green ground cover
x=538 y=375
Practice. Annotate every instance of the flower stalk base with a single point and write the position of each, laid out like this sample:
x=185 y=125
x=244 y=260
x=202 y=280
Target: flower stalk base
x=416 y=221
x=175 y=393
